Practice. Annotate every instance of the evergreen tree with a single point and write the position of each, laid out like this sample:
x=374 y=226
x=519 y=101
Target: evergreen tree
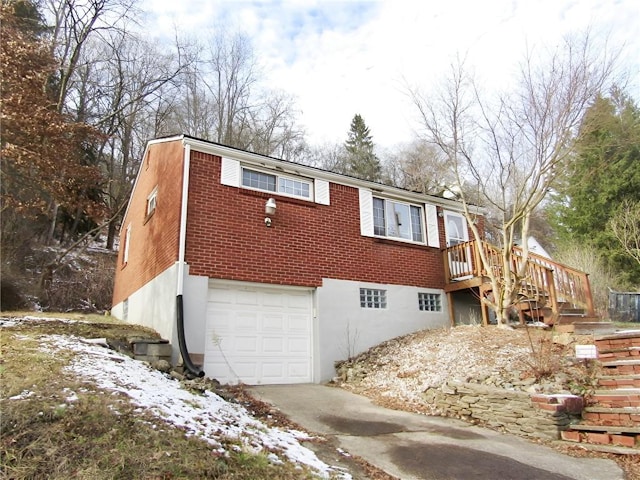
x=604 y=175
x=361 y=162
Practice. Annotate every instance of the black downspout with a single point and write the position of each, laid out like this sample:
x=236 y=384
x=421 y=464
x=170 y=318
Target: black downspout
x=186 y=359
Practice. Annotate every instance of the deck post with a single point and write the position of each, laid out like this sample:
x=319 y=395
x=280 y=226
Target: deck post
x=452 y=317
x=484 y=308
x=591 y=311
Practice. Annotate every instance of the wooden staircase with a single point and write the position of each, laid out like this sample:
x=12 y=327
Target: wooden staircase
x=549 y=292
x=611 y=421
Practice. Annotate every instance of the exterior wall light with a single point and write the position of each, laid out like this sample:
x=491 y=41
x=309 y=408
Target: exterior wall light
x=269 y=209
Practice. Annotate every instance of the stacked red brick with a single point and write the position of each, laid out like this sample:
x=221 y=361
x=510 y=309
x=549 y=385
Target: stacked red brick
x=613 y=415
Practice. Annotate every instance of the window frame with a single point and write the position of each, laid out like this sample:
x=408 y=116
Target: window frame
x=127 y=242
x=373 y=298
x=426 y=300
x=279 y=176
x=422 y=234
x=152 y=201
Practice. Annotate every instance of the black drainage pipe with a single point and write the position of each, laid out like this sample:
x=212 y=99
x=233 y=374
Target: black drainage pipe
x=186 y=359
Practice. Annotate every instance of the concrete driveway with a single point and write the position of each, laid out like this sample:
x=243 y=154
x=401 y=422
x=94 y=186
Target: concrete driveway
x=412 y=446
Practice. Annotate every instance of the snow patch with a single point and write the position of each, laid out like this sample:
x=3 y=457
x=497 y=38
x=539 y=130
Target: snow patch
x=207 y=417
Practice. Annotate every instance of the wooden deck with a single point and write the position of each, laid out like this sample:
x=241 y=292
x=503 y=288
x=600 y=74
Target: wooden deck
x=547 y=291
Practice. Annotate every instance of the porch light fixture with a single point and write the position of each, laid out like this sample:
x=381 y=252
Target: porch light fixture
x=269 y=209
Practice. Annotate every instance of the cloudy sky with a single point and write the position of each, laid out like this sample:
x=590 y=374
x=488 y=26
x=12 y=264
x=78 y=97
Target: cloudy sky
x=339 y=58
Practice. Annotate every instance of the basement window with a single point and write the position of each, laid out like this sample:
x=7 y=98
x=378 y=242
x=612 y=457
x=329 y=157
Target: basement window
x=429 y=302
x=373 y=298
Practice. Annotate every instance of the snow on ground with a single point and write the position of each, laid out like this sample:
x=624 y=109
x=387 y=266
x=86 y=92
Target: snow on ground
x=207 y=417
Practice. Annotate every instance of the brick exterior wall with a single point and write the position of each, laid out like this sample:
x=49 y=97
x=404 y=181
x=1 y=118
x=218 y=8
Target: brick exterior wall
x=227 y=238
x=153 y=246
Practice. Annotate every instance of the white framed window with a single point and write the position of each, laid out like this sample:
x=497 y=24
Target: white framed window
x=282 y=184
x=152 y=200
x=398 y=220
x=373 y=298
x=429 y=302
x=127 y=241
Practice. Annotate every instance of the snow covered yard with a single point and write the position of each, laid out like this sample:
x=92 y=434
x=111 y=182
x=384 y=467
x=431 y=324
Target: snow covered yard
x=226 y=427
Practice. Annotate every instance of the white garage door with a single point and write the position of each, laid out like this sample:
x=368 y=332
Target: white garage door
x=258 y=335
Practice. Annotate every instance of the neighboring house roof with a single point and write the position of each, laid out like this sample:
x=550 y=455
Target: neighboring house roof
x=535 y=247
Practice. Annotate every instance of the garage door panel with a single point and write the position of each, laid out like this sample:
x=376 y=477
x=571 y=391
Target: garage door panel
x=298 y=370
x=299 y=323
x=223 y=317
x=299 y=302
x=258 y=335
x=298 y=346
x=272 y=322
x=244 y=345
x=245 y=321
x=248 y=298
x=273 y=345
x=274 y=300
x=273 y=370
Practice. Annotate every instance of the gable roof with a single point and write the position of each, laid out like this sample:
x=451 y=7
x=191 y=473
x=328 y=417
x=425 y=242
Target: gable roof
x=285 y=166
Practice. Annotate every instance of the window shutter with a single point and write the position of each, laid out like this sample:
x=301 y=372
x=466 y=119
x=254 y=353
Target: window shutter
x=366 y=212
x=321 y=191
x=433 y=236
x=230 y=174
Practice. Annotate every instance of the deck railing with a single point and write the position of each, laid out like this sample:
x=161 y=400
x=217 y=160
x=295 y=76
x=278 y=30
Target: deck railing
x=543 y=279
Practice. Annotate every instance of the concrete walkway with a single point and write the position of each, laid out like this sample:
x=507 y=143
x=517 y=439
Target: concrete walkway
x=412 y=446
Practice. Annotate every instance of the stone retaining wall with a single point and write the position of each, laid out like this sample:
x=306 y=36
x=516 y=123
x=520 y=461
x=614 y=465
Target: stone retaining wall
x=517 y=412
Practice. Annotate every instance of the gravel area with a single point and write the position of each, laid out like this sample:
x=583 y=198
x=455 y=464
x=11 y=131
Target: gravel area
x=397 y=372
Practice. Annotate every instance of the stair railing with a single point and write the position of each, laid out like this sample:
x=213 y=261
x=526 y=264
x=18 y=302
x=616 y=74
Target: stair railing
x=545 y=280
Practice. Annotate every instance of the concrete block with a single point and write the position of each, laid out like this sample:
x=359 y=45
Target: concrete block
x=159 y=349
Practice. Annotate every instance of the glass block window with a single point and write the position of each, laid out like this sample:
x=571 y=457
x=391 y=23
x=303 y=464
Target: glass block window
x=429 y=302
x=373 y=298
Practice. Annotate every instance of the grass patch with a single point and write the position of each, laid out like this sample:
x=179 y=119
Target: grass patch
x=57 y=427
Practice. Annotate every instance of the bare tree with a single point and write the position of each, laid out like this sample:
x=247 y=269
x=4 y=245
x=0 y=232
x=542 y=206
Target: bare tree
x=625 y=225
x=223 y=99
x=512 y=146
x=331 y=157
x=420 y=167
x=74 y=24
